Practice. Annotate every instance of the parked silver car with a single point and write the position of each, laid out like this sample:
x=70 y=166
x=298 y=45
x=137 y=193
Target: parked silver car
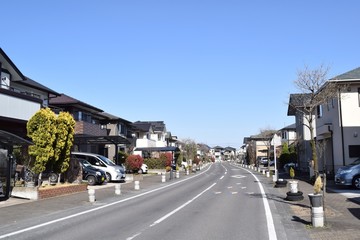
x=113 y=172
x=349 y=175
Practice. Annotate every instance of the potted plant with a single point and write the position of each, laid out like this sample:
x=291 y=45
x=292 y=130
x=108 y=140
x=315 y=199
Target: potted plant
x=317 y=210
x=294 y=194
x=293 y=183
x=316 y=197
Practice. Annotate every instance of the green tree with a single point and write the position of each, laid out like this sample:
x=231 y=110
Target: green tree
x=65 y=125
x=41 y=129
x=53 y=138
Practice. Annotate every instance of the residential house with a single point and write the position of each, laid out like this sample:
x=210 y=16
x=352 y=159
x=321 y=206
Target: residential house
x=257 y=146
x=338 y=124
x=117 y=126
x=218 y=153
x=91 y=133
x=229 y=153
x=296 y=103
x=20 y=97
x=152 y=138
x=288 y=134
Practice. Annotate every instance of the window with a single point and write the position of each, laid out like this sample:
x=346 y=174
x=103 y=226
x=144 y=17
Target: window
x=354 y=151
x=359 y=96
x=284 y=135
x=319 y=111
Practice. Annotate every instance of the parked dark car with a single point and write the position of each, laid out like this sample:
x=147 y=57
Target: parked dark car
x=92 y=175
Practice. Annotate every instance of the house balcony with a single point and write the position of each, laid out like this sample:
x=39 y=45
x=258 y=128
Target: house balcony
x=87 y=128
x=17 y=105
x=145 y=143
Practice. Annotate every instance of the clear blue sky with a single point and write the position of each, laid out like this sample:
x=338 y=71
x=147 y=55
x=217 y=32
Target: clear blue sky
x=214 y=71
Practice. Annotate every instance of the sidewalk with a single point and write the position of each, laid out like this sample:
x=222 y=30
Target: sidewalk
x=342 y=214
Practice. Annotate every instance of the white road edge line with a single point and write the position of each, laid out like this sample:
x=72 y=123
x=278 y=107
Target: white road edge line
x=181 y=207
x=96 y=209
x=269 y=218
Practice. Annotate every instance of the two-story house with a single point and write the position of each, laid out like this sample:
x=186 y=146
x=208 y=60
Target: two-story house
x=152 y=138
x=20 y=97
x=117 y=126
x=296 y=103
x=229 y=153
x=338 y=124
x=288 y=134
x=91 y=132
x=217 y=153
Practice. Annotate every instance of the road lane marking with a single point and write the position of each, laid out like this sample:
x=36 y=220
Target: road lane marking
x=181 y=207
x=97 y=208
x=268 y=215
x=238 y=176
x=222 y=177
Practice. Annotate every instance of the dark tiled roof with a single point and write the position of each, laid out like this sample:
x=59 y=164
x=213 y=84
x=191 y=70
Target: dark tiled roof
x=114 y=118
x=351 y=75
x=142 y=126
x=297 y=100
x=158 y=126
x=290 y=127
x=31 y=83
x=65 y=100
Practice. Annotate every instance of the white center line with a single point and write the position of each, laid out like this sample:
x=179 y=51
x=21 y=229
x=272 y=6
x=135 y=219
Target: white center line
x=181 y=207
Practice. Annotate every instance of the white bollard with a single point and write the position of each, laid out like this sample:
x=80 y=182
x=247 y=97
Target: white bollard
x=91 y=193
x=137 y=185
x=163 y=178
x=118 y=189
x=263 y=171
x=267 y=174
x=177 y=174
x=317 y=216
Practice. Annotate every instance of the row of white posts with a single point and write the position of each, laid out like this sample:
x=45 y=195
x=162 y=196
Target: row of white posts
x=91 y=191
x=258 y=169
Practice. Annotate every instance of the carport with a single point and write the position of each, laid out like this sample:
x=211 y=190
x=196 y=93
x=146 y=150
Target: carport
x=81 y=139
x=7 y=161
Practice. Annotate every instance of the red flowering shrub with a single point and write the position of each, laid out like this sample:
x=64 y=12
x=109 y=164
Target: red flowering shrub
x=134 y=162
x=196 y=160
x=167 y=157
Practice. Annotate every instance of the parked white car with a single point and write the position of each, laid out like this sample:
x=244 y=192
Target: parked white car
x=144 y=168
x=113 y=172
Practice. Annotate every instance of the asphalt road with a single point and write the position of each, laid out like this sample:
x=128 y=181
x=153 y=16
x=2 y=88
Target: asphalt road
x=220 y=202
